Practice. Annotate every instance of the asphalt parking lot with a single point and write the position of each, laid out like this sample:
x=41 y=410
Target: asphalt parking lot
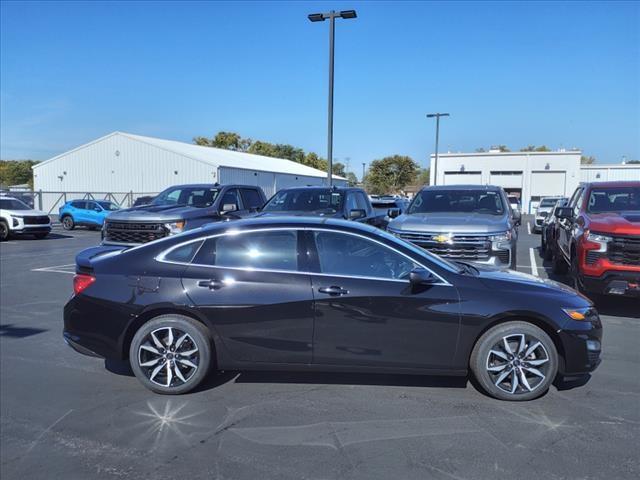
x=68 y=416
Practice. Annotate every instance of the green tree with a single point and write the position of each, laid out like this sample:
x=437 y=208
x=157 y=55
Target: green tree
x=633 y=162
x=480 y=150
x=391 y=174
x=533 y=148
x=423 y=177
x=352 y=179
x=16 y=172
x=503 y=148
x=587 y=160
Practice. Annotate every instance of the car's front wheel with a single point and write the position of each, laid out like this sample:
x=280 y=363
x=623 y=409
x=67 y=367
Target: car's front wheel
x=4 y=231
x=171 y=354
x=514 y=361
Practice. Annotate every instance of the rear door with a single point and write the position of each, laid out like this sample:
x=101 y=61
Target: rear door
x=80 y=211
x=254 y=292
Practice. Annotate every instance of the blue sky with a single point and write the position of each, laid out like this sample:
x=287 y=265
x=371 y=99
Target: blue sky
x=563 y=74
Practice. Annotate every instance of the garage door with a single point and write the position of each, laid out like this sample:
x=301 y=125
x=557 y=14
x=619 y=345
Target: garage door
x=506 y=180
x=547 y=184
x=460 y=178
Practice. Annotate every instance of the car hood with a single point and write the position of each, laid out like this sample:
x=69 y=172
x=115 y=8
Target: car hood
x=450 y=222
x=25 y=213
x=295 y=213
x=615 y=222
x=152 y=213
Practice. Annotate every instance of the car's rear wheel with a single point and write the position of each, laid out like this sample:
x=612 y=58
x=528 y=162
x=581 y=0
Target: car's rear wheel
x=514 y=361
x=171 y=354
x=4 y=231
x=68 y=223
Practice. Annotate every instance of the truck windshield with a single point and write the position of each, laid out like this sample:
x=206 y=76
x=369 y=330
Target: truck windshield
x=457 y=201
x=305 y=200
x=614 y=199
x=187 y=196
x=13 y=204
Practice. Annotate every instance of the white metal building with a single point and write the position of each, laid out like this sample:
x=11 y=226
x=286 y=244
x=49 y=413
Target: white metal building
x=121 y=162
x=609 y=173
x=528 y=175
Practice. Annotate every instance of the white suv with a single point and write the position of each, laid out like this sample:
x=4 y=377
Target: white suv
x=18 y=218
x=545 y=208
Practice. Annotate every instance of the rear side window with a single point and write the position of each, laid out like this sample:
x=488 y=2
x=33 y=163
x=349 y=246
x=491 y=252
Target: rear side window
x=183 y=254
x=79 y=204
x=269 y=250
x=251 y=198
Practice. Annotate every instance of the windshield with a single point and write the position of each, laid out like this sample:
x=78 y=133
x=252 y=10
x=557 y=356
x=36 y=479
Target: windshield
x=614 y=199
x=548 y=202
x=305 y=200
x=109 y=206
x=457 y=201
x=13 y=204
x=188 y=196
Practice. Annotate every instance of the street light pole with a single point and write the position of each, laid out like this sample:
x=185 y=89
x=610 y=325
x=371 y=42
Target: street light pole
x=435 y=164
x=321 y=17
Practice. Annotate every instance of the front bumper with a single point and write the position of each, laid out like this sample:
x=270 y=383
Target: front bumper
x=31 y=229
x=581 y=345
x=614 y=283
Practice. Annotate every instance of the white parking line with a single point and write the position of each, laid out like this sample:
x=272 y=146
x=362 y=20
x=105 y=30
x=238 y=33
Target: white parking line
x=529 y=228
x=534 y=266
x=57 y=269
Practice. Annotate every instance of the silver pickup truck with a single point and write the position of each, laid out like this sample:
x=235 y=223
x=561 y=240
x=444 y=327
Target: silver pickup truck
x=473 y=223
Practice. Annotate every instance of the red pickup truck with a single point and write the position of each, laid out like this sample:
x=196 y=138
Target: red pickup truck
x=598 y=238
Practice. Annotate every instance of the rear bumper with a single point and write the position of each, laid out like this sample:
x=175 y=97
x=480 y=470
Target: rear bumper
x=74 y=342
x=616 y=282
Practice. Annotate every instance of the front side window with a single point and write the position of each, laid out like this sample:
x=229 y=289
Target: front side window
x=578 y=202
x=352 y=202
x=458 y=201
x=13 y=204
x=305 y=200
x=108 y=206
x=614 y=199
x=230 y=198
x=268 y=250
x=251 y=198
x=350 y=255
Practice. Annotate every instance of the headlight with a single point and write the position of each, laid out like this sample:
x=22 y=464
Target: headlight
x=175 y=227
x=501 y=237
x=586 y=313
x=599 y=239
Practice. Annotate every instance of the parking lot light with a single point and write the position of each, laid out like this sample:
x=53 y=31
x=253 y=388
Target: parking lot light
x=435 y=164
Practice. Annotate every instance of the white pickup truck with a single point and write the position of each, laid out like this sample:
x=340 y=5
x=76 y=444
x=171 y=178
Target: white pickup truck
x=18 y=218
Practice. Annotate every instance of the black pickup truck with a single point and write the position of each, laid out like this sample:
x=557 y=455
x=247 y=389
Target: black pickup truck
x=336 y=202
x=180 y=208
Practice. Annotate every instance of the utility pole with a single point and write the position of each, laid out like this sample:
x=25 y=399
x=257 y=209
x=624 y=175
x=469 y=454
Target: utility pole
x=435 y=164
x=321 y=17
x=363 y=165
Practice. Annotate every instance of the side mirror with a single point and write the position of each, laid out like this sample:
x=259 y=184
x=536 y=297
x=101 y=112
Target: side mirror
x=564 y=213
x=517 y=217
x=229 y=207
x=356 y=214
x=421 y=276
x=393 y=212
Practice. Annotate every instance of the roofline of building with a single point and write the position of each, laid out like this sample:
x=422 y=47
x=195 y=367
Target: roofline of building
x=506 y=154
x=597 y=166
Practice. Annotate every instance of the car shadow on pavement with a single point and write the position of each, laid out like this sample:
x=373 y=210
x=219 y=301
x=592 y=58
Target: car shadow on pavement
x=9 y=330
x=51 y=236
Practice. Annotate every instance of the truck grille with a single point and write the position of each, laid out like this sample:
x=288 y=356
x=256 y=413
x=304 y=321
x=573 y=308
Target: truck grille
x=125 y=232
x=462 y=247
x=624 y=250
x=39 y=220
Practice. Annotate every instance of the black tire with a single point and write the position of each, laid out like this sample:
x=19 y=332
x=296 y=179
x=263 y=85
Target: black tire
x=40 y=236
x=547 y=253
x=172 y=373
x=558 y=265
x=4 y=231
x=67 y=222
x=574 y=272
x=515 y=371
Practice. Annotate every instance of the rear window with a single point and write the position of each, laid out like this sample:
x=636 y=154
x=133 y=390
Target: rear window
x=548 y=202
x=614 y=199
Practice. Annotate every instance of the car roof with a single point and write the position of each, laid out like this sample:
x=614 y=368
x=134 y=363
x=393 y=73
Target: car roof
x=321 y=187
x=493 y=188
x=210 y=185
x=619 y=183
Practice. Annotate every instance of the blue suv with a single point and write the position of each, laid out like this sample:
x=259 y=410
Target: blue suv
x=89 y=213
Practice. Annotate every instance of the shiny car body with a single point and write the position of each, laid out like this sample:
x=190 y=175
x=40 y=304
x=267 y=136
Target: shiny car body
x=306 y=293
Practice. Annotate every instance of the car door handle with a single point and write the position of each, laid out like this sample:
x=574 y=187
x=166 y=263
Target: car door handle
x=333 y=290
x=210 y=284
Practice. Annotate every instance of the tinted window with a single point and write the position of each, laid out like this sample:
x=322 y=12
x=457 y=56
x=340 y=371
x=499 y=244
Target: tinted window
x=91 y=205
x=272 y=250
x=578 y=202
x=230 y=198
x=79 y=204
x=614 y=199
x=183 y=254
x=352 y=202
x=251 y=198
x=194 y=196
x=305 y=200
x=362 y=201
x=343 y=254
x=548 y=202
x=12 y=204
x=458 y=201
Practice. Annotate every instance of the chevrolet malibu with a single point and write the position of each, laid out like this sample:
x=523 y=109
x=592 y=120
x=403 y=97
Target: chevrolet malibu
x=325 y=295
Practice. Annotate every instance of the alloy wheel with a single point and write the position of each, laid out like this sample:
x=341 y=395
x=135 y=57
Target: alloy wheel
x=4 y=231
x=518 y=363
x=168 y=357
x=67 y=223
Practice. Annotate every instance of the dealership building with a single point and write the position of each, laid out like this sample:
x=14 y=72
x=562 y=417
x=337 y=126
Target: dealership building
x=527 y=175
x=122 y=166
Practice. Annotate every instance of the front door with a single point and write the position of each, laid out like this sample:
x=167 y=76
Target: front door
x=252 y=290
x=367 y=313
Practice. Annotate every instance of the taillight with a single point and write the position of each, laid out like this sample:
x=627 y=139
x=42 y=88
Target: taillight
x=82 y=281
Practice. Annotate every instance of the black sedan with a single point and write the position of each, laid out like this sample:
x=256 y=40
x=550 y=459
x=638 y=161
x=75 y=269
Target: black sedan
x=325 y=295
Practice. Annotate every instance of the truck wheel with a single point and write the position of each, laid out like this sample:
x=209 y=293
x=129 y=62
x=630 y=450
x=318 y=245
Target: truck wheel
x=68 y=223
x=575 y=275
x=4 y=231
x=514 y=361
